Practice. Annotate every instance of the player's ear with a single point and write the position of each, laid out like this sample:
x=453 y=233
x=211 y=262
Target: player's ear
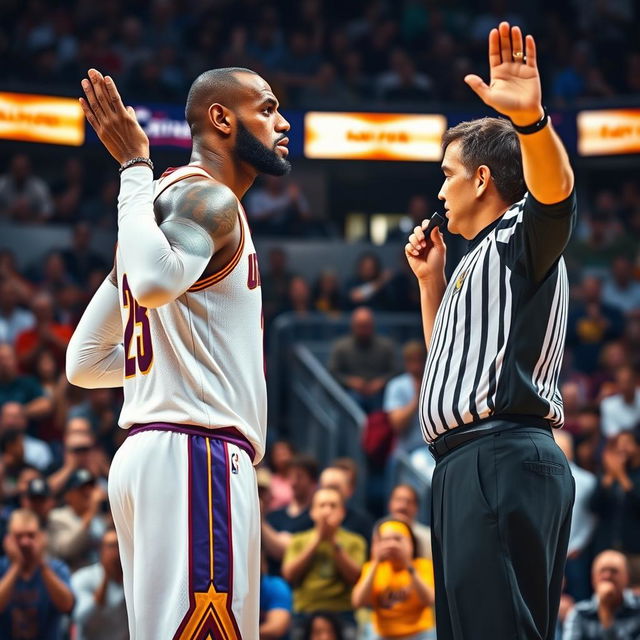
x=482 y=179
x=220 y=117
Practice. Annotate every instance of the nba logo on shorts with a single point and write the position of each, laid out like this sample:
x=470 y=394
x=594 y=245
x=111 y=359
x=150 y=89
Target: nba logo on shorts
x=234 y=462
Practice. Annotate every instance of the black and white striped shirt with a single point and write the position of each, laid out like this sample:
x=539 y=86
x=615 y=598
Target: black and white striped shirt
x=498 y=337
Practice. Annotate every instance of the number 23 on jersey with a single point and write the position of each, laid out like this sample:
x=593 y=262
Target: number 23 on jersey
x=138 y=350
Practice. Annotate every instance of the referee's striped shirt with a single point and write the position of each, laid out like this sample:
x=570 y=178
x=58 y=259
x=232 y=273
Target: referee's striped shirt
x=498 y=337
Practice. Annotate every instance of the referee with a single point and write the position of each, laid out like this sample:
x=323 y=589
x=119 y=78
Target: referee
x=502 y=489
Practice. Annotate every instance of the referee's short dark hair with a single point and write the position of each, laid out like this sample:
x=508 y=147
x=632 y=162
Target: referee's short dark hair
x=492 y=142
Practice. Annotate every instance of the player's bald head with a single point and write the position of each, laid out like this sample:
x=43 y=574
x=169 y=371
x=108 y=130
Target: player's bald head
x=222 y=86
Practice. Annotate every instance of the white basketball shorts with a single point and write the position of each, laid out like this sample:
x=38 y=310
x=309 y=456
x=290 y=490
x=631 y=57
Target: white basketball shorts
x=185 y=506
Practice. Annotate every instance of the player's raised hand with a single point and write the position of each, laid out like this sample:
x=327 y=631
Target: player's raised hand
x=514 y=83
x=115 y=124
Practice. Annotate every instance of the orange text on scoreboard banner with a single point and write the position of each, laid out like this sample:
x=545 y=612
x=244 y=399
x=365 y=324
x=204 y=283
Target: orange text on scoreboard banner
x=36 y=118
x=373 y=136
x=609 y=131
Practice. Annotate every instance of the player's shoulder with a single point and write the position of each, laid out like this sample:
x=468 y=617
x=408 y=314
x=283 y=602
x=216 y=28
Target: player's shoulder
x=205 y=201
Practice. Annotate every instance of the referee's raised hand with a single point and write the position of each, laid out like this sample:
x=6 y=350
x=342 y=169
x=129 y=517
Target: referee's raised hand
x=426 y=256
x=115 y=124
x=514 y=85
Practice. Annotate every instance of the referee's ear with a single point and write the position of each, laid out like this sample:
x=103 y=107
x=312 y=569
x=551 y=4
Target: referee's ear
x=483 y=179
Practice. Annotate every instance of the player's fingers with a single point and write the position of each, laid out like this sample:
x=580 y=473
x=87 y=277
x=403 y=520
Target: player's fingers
x=132 y=112
x=97 y=80
x=518 y=47
x=418 y=232
x=91 y=99
x=531 y=52
x=115 y=101
x=494 y=48
x=505 y=42
x=478 y=85
x=88 y=114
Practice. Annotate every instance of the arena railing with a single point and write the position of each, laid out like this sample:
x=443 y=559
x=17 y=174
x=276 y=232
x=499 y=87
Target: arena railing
x=325 y=421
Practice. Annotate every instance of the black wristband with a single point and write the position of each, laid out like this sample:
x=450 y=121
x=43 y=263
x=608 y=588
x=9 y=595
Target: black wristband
x=535 y=127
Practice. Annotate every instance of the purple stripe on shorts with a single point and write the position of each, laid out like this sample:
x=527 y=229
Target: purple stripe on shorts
x=221 y=532
x=199 y=514
x=226 y=434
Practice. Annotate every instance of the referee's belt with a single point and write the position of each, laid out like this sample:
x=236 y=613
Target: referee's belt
x=447 y=442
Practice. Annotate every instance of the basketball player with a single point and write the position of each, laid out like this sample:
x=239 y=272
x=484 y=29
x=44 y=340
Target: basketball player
x=178 y=323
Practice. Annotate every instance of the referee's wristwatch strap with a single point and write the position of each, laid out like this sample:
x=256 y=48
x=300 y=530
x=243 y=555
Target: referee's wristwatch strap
x=535 y=127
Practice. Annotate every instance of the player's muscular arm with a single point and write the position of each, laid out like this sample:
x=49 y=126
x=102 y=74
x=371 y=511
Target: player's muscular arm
x=162 y=262
x=95 y=354
x=209 y=204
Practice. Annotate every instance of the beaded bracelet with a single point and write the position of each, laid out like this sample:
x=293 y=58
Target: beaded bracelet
x=130 y=163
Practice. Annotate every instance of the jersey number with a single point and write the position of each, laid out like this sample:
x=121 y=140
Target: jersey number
x=137 y=318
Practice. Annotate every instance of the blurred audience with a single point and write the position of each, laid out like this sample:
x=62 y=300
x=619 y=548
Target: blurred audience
x=34 y=589
x=275 y=605
x=614 y=610
x=355 y=520
x=24 y=197
x=277 y=207
x=279 y=525
x=397 y=585
x=323 y=563
x=363 y=361
x=621 y=411
x=369 y=285
x=76 y=528
x=281 y=454
x=583 y=523
x=403 y=505
x=616 y=500
x=100 y=612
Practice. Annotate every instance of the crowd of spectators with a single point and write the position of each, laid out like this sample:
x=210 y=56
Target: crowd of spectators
x=318 y=53
x=59 y=565
x=331 y=563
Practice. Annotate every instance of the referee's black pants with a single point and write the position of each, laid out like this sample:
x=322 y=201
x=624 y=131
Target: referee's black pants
x=501 y=513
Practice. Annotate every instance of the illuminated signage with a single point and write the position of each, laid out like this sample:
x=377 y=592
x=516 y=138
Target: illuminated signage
x=164 y=125
x=608 y=132
x=41 y=119
x=373 y=136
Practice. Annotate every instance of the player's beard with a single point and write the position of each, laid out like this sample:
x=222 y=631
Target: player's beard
x=260 y=157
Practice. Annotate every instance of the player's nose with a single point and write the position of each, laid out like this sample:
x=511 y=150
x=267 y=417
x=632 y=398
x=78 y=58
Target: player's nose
x=282 y=123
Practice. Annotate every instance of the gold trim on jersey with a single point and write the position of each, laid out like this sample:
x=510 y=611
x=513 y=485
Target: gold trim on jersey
x=219 y=275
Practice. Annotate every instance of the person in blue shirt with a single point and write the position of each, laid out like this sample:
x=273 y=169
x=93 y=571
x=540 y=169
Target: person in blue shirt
x=34 y=590
x=275 y=606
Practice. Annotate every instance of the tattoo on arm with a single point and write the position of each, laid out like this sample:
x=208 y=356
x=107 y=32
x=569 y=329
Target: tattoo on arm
x=211 y=205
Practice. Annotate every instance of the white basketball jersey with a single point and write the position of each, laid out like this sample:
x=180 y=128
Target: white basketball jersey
x=199 y=360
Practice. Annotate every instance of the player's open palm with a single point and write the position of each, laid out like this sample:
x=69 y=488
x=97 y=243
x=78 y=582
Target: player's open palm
x=115 y=124
x=514 y=85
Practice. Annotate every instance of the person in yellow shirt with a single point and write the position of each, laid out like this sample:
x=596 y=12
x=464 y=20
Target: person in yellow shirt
x=323 y=563
x=397 y=585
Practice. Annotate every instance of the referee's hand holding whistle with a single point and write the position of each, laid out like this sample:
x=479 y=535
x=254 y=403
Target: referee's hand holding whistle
x=426 y=255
